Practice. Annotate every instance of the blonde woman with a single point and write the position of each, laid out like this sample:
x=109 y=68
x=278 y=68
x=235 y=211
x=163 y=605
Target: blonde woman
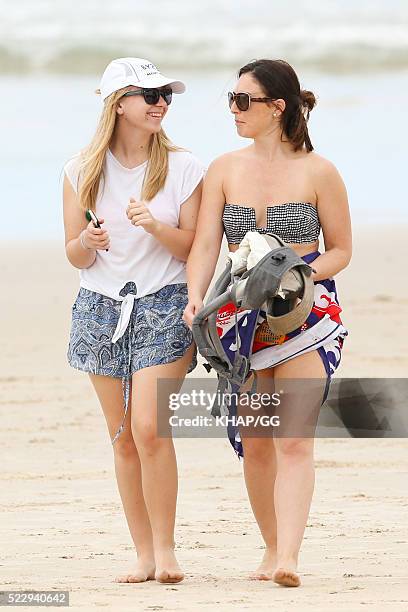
x=127 y=329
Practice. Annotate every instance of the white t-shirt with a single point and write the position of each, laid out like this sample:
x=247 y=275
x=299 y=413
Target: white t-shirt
x=134 y=254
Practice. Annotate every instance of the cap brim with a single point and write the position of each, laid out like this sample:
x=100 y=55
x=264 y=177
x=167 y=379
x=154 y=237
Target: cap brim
x=290 y=321
x=161 y=81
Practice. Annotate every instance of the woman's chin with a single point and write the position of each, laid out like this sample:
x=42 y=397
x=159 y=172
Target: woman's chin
x=243 y=131
x=153 y=129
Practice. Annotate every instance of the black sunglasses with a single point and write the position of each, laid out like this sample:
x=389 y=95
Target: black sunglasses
x=243 y=100
x=152 y=95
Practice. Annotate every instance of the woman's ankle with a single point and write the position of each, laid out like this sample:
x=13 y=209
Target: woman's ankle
x=285 y=560
x=146 y=556
x=164 y=545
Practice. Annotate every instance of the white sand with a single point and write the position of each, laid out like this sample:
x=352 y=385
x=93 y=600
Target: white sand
x=62 y=524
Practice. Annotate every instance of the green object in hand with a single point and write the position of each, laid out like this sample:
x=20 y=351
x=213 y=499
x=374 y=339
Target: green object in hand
x=90 y=215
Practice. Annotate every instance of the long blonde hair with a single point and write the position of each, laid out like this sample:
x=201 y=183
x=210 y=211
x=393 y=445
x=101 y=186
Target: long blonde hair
x=93 y=156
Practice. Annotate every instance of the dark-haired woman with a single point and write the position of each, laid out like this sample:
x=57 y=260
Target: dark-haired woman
x=278 y=184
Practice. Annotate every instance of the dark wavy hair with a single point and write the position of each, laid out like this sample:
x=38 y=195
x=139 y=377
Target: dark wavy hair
x=278 y=80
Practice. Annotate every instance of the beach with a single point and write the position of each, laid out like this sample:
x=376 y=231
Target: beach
x=62 y=524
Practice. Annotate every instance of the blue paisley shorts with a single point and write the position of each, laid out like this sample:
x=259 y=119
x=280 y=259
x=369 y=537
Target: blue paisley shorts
x=156 y=333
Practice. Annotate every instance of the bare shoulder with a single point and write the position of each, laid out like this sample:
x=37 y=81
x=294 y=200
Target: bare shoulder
x=331 y=192
x=226 y=160
x=322 y=169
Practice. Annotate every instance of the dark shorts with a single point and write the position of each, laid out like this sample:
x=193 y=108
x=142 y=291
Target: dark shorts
x=156 y=333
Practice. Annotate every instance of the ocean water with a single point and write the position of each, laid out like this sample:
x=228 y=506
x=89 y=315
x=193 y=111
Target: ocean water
x=332 y=35
x=360 y=124
x=353 y=55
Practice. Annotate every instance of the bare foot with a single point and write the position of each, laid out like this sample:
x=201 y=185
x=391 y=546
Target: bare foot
x=167 y=568
x=267 y=566
x=286 y=576
x=144 y=571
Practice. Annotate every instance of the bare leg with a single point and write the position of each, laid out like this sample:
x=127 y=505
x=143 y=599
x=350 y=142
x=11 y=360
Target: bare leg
x=260 y=475
x=295 y=474
x=158 y=461
x=128 y=475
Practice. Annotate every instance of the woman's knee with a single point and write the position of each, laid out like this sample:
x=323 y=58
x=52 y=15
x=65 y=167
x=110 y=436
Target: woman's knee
x=259 y=450
x=124 y=448
x=147 y=440
x=289 y=447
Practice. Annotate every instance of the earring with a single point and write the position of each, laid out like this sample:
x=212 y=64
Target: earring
x=274 y=114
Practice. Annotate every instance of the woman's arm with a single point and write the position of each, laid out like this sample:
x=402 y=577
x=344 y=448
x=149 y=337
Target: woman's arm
x=80 y=254
x=204 y=253
x=177 y=240
x=334 y=215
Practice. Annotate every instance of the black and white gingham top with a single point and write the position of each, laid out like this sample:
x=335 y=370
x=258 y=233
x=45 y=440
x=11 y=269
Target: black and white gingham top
x=294 y=222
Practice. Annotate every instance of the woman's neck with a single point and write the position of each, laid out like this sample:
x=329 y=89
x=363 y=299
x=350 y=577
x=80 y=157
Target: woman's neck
x=131 y=149
x=270 y=147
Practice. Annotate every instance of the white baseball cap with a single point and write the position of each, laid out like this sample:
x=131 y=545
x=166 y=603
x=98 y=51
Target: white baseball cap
x=126 y=71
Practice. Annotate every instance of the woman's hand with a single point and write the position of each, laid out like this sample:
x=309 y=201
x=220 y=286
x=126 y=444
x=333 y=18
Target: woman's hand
x=139 y=214
x=95 y=238
x=193 y=307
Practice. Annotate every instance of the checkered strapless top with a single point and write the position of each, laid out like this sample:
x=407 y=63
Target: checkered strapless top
x=294 y=222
